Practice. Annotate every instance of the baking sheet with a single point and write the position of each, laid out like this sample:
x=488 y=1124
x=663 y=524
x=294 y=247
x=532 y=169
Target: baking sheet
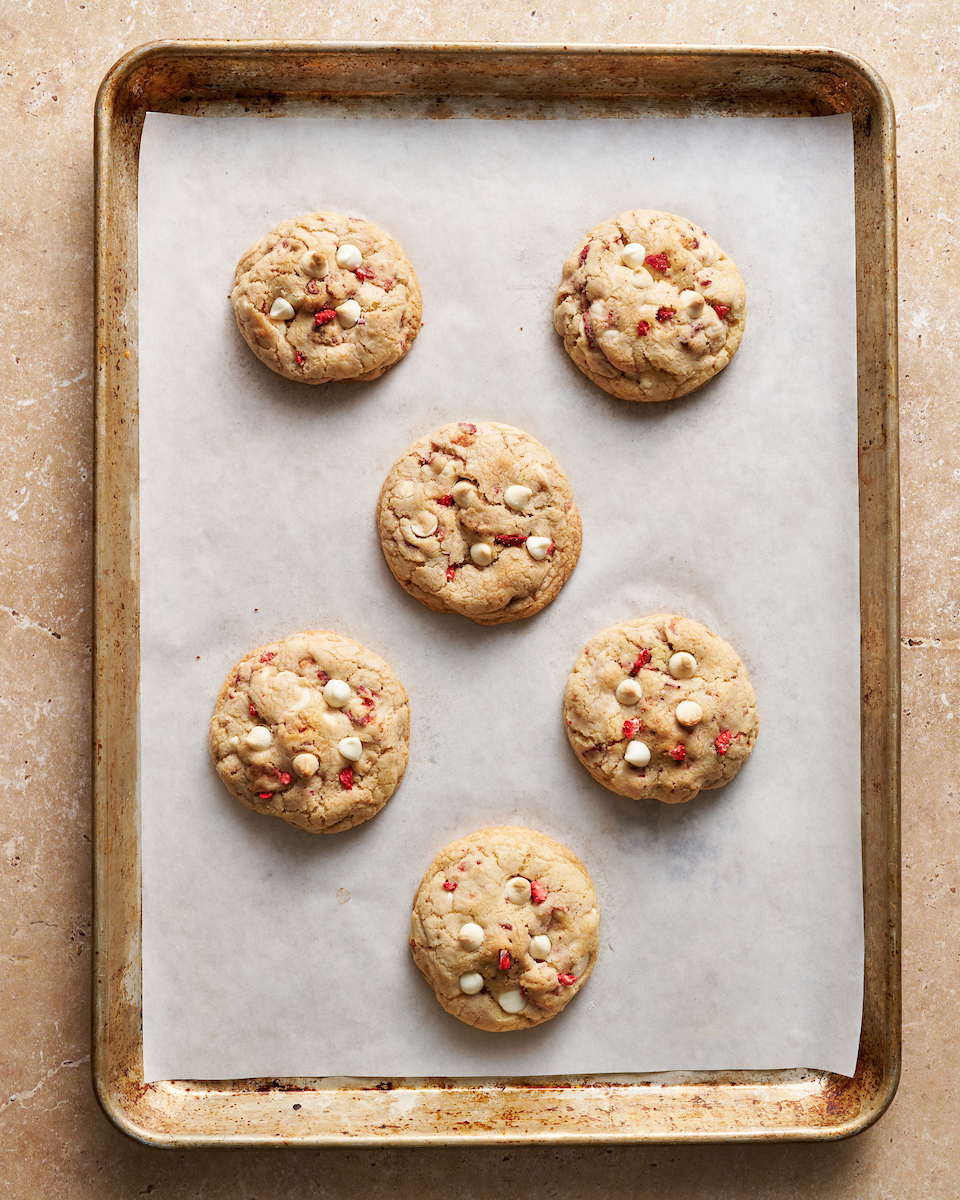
x=732 y=926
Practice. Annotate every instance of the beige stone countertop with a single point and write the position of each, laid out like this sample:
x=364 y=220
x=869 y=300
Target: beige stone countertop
x=54 y=1140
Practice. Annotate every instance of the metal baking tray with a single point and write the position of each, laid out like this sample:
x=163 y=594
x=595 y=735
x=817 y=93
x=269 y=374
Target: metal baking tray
x=272 y=79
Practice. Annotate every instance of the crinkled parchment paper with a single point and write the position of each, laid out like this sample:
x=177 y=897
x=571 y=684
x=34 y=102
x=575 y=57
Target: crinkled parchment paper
x=731 y=926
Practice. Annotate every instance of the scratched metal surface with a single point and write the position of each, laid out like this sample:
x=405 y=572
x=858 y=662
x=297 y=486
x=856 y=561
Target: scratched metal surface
x=491 y=82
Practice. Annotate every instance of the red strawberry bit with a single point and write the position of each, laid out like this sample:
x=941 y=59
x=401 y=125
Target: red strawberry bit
x=253 y=712
x=511 y=539
x=441 y=534
x=468 y=427
x=722 y=743
x=504 y=963
x=361 y=274
x=264 y=795
x=721 y=310
x=346 y=778
x=630 y=727
x=299 y=357
x=462 y=867
x=588 y=331
x=643 y=328
x=538 y=893
x=312 y=287
x=449 y=885
x=268 y=657
x=359 y=719
x=642 y=659
x=583 y=253
x=705 y=282
x=451 y=572
x=323 y=317
x=678 y=753
x=446 y=501
x=323 y=677
x=566 y=980
x=503 y=925
x=285 y=778
x=665 y=314
x=659 y=262
x=696 y=244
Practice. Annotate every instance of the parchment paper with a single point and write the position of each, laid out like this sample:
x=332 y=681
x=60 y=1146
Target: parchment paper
x=732 y=925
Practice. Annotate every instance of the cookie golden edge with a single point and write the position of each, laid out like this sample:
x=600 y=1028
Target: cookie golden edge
x=600 y=727
x=351 y=811
x=544 y=985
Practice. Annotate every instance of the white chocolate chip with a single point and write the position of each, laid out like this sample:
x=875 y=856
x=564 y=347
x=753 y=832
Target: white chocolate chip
x=517 y=890
x=348 y=313
x=707 y=254
x=512 y=1002
x=463 y=494
x=682 y=665
x=581 y=965
x=314 y=263
x=405 y=488
x=259 y=737
x=637 y=754
x=692 y=303
x=632 y=255
x=424 y=523
x=540 y=947
x=641 y=279
x=472 y=983
x=349 y=257
x=351 y=748
x=301 y=698
x=281 y=310
x=689 y=713
x=482 y=554
x=629 y=692
x=516 y=497
x=470 y=936
x=306 y=765
x=538 y=547
x=336 y=692
x=234 y=741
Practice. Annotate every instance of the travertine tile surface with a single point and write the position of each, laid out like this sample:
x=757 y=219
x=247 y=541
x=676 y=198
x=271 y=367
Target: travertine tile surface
x=53 y=1139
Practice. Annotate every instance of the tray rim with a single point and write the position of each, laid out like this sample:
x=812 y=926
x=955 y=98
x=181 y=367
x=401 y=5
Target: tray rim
x=145 y=1125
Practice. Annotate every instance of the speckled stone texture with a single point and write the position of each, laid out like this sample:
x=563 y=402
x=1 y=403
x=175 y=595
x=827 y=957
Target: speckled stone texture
x=54 y=1141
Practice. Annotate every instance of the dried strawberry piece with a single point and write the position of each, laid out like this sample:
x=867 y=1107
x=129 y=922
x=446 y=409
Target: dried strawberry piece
x=665 y=314
x=722 y=743
x=511 y=539
x=268 y=657
x=566 y=980
x=346 y=778
x=451 y=572
x=361 y=274
x=299 y=357
x=312 y=287
x=468 y=427
x=643 y=328
x=642 y=659
x=449 y=885
x=359 y=720
x=504 y=962
x=584 y=252
x=705 y=282
x=588 y=331
x=630 y=727
x=253 y=712
x=504 y=925
x=285 y=778
x=659 y=262
x=323 y=676
x=446 y=501
x=721 y=310
x=538 y=893
x=678 y=753
x=264 y=795
x=323 y=317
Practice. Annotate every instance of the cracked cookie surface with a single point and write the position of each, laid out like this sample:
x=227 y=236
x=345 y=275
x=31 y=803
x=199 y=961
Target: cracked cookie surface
x=478 y=519
x=649 y=307
x=505 y=928
x=660 y=708
x=313 y=729
x=326 y=297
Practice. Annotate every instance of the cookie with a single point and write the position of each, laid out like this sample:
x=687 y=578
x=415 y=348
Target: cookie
x=505 y=928
x=650 y=307
x=659 y=709
x=479 y=520
x=326 y=297
x=313 y=729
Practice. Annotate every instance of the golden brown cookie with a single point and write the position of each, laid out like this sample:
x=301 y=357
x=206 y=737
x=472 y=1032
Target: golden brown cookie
x=649 y=306
x=479 y=519
x=313 y=729
x=505 y=928
x=326 y=297
x=660 y=708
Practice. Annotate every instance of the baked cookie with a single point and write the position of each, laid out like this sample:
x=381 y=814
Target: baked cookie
x=313 y=729
x=326 y=297
x=479 y=520
x=660 y=708
x=650 y=307
x=505 y=928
